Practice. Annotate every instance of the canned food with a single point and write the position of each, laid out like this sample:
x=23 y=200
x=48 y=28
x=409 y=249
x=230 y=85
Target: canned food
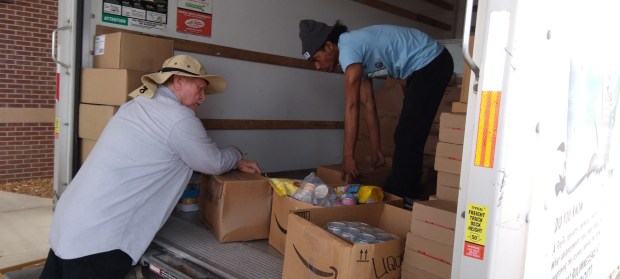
x=350 y=224
x=367 y=230
x=362 y=224
x=364 y=238
x=384 y=236
x=335 y=227
x=377 y=230
x=349 y=233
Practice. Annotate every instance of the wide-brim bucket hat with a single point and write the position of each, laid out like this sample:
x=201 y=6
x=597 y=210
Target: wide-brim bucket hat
x=183 y=65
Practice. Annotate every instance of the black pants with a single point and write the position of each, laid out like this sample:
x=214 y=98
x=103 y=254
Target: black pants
x=424 y=90
x=111 y=264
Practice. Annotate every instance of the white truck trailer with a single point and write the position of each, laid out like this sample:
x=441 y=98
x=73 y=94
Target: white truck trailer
x=538 y=181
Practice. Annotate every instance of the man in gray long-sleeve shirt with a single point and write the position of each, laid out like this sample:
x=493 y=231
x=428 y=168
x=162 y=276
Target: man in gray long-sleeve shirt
x=135 y=174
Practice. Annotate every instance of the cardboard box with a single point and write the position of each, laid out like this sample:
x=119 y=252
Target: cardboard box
x=331 y=174
x=458 y=107
x=93 y=119
x=86 y=146
x=452 y=94
x=449 y=150
x=438 y=212
x=312 y=251
x=434 y=232
x=428 y=264
x=282 y=206
x=443 y=107
x=448 y=157
x=109 y=86
x=447 y=179
x=452 y=128
x=436 y=250
x=447 y=193
x=122 y=50
x=236 y=206
x=410 y=272
x=447 y=165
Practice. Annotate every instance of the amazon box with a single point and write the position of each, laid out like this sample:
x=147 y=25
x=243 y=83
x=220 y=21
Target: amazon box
x=331 y=174
x=109 y=86
x=313 y=252
x=123 y=50
x=93 y=119
x=281 y=206
x=236 y=206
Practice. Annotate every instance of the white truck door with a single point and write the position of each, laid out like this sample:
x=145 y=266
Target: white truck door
x=64 y=53
x=539 y=178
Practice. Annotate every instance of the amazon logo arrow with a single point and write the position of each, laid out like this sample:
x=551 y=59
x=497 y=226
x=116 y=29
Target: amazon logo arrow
x=316 y=270
x=282 y=229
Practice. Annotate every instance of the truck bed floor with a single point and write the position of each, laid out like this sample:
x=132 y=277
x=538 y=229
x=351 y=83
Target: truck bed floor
x=185 y=237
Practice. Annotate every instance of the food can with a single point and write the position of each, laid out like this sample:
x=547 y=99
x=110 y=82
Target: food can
x=349 y=233
x=365 y=238
x=335 y=227
x=384 y=236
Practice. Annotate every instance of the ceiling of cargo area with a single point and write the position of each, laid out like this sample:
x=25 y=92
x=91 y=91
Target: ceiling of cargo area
x=271 y=26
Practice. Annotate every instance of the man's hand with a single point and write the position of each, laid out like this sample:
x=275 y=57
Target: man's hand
x=248 y=166
x=349 y=170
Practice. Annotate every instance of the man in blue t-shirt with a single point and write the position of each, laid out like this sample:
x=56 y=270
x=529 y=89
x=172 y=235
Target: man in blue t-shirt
x=381 y=51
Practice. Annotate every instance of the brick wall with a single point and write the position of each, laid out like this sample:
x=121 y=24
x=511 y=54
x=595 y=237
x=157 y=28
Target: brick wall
x=27 y=82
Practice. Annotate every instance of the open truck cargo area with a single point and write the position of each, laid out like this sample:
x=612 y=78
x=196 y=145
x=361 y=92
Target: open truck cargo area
x=523 y=155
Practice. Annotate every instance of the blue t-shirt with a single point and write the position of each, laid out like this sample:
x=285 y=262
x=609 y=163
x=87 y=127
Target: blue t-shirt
x=387 y=50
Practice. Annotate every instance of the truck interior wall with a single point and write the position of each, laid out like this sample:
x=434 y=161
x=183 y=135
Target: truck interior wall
x=260 y=91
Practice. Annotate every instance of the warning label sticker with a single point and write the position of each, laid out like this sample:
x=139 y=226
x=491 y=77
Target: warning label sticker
x=475 y=231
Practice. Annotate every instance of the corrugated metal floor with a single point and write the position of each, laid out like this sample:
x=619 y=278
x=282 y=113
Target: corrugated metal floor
x=185 y=236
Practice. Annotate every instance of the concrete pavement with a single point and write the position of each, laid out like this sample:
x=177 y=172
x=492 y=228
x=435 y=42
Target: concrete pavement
x=25 y=222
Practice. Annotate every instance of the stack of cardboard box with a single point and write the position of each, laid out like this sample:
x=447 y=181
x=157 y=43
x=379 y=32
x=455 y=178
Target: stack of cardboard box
x=448 y=155
x=120 y=60
x=430 y=242
x=449 y=149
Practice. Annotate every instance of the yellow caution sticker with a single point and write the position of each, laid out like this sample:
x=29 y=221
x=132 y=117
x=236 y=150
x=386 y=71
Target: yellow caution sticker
x=475 y=231
x=57 y=128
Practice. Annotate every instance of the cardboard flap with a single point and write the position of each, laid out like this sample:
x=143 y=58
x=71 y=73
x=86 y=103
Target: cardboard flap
x=367 y=213
x=391 y=213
